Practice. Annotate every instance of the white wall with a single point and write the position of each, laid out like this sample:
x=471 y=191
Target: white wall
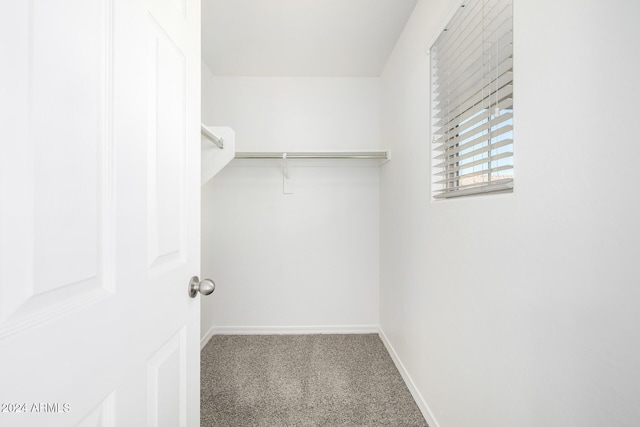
x=525 y=313
x=297 y=113
x=307 y=261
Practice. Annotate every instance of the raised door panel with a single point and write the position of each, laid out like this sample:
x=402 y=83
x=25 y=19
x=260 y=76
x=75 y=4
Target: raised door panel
x=57 y=172
x=166 y=384
x=166 y=155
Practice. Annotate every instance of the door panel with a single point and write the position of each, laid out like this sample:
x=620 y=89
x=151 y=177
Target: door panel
x=167 y=384
x=167 y=144
x=99 y=212
x=66 y=192
x=58 y=158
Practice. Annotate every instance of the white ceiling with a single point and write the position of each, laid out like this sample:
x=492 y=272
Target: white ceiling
x=301 y=37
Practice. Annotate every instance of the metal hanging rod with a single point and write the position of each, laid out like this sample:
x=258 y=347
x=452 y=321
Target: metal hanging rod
x=210 y=136
x=376 y=155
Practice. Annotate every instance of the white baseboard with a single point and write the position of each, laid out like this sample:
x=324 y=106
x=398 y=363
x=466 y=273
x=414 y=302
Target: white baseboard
x=206 y=337
x=424 y=408
x=286 y=330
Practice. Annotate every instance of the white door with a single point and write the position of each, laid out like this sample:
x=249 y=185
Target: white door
x=99 y=212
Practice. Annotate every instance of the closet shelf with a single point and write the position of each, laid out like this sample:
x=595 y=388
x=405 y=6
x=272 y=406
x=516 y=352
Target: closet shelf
x=374 y=155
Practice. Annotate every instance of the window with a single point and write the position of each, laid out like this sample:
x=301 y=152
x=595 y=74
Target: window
x=472 y=101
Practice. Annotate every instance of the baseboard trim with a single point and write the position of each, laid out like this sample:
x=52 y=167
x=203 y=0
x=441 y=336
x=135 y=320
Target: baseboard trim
x=424 y=408
x=286 y=330
x=206 y=337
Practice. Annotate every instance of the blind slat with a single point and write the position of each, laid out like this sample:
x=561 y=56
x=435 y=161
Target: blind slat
x=474 y=105
x=505 y=104
x=452 y=160
x=475 y=72
x=498 y=185
x=475 y=140
x=487 y=171
x=452 y=38
x=479 y=183
x=474 y=124
x=455 y=41
x=487 y=85
x=478 y=162
x=481 y=43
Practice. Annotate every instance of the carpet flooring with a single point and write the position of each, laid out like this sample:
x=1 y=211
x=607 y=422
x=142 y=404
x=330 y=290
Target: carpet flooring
x=303 y=380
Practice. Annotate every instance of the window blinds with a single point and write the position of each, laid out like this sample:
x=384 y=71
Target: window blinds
x=472 y=101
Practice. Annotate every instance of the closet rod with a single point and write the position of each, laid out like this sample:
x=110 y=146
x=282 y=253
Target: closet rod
x=213 y=138
x=379 y=155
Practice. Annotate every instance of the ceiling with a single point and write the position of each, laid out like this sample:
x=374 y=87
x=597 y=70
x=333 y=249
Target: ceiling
x=301 y=37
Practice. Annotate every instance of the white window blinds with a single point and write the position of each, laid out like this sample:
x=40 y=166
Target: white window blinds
x=472 y=101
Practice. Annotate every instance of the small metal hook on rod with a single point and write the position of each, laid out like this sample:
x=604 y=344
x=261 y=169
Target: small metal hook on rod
x=285 y=166
x=286 y=176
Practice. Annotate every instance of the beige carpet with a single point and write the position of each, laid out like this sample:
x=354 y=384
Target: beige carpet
x=303 y=380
